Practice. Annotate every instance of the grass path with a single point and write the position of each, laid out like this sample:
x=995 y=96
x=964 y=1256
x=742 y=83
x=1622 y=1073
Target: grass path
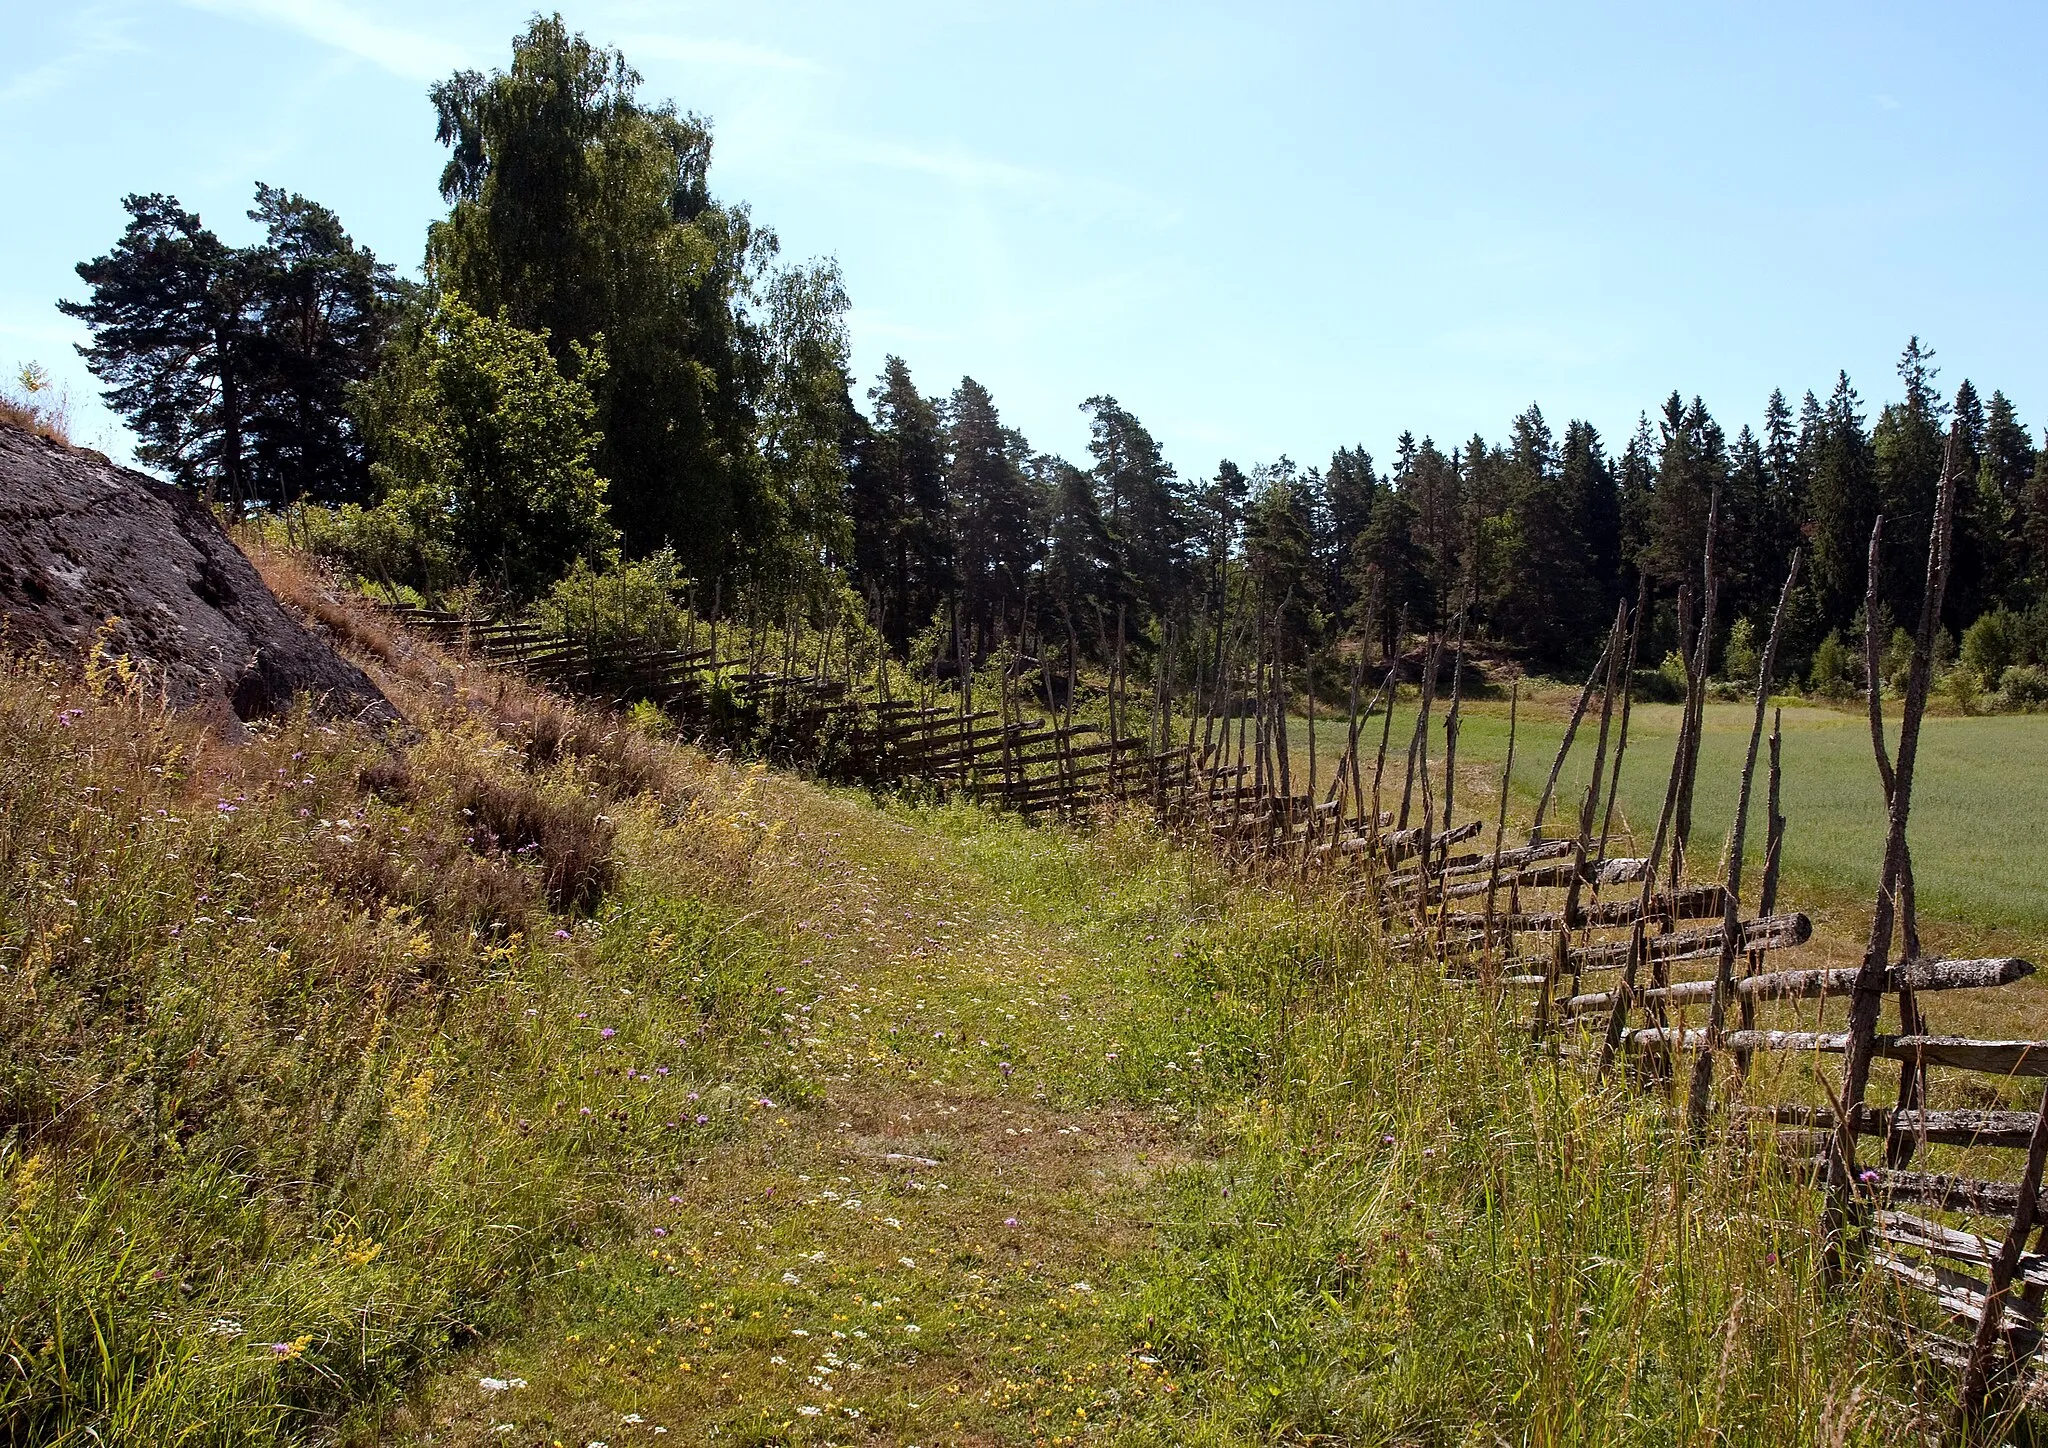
x=925 y=1237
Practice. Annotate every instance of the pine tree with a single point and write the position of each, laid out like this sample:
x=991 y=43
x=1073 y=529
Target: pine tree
x=173 y=340
x=323 y=310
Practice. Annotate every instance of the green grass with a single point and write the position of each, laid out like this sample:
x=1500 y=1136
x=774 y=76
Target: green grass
x=1977 y=804
x=321 y=1122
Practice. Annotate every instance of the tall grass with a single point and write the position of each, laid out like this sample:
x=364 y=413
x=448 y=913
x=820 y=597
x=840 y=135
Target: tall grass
x=306 y=1077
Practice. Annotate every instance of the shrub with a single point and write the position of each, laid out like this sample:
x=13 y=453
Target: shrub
x=1833 y=674
x=638 y=604
x=2023 y=687
x=384 y=545
x=1990 y=644
x=1964 y=689
x=1897 y=660
x=1740 y=661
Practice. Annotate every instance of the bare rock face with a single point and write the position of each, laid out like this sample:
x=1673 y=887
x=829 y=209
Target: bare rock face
x=83 y=541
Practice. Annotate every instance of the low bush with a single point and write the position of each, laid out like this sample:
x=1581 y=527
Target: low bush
x=2023 y=687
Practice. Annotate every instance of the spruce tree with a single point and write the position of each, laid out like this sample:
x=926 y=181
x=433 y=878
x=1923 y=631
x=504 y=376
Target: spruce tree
x=1134 y=487
x=2004 y=471
x=897 y=500
x=995 y=538
x=1906 y=455
x=1842 y=501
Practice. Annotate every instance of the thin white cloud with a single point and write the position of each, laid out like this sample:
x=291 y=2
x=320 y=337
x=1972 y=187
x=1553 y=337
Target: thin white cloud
x=949 y=164
x=719 y=54
x=99 y=33
x=410 y=54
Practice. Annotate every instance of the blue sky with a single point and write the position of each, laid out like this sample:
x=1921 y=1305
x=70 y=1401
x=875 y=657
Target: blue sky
x=1264 y=228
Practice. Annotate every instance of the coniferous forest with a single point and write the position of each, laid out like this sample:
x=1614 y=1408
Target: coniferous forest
x=607 y=363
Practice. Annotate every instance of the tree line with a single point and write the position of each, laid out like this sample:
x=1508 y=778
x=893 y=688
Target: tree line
x=604 y=361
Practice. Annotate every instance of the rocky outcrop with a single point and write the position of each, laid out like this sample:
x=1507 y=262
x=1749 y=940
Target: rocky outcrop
x=90 y=549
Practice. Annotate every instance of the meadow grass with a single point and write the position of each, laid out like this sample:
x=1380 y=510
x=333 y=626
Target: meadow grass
x=524 y=1079
x=1978 y=801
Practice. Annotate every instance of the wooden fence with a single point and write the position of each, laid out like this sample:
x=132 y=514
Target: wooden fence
x=1631 y=963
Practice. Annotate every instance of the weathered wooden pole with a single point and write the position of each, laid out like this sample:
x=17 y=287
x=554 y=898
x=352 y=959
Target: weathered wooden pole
x=1731 y=902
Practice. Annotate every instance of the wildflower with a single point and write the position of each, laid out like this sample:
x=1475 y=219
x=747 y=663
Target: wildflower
x=702 y=1118
x=905 y=1262
x=1387 y=1140
x=1012 y=1222
x=1080 y=1287
x=808 y=1411
x=632 y=1418
x=225 y=808
x=561 y=935
x=1006 y=1070
x=1868 y=1178
x=607 y=1033
x=583 y=1111
x=661 y=1231
x=674 y=1200
x=790 y=1279
x=499 y=1385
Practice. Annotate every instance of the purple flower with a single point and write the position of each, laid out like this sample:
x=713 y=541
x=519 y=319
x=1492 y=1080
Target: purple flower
x=1011 y=1222
x=561 y=935
x=701 y=1119
x=1868 y=1178
x=1006 y=1070
x=661 y=1070
x=583 y=1111
x=607 y=1033
x=661 y=1231
x=1387 y=1140
x=225 y=808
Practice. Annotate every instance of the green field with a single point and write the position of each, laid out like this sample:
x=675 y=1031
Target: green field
x=1979 y=801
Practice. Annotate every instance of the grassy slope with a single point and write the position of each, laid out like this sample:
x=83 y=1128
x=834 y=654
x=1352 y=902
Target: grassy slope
x=318 y=1113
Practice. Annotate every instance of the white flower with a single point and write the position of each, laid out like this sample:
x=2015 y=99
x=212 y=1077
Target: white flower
x=905 y=1262
x=790 y=1279
x=632 y=1418
x=778 y=1359
x=1080 y=1287
x=808 y=1411
x=499 y=1385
